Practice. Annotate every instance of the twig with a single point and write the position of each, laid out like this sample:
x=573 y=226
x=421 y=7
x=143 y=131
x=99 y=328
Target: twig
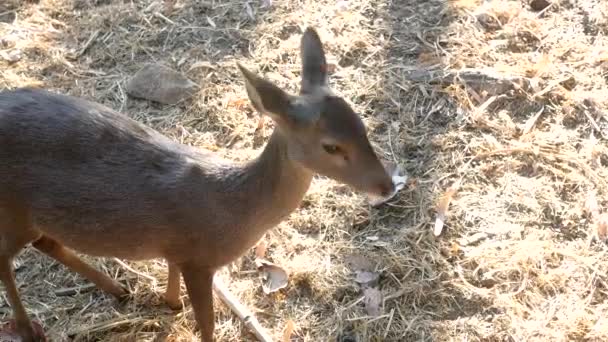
x=240 y=310
x=128 y=268
x=469 y=75
x=161 y=16
x=594 y=124
x=532 y=121
x=71 y=291
x=85 y=47
x=118 y=321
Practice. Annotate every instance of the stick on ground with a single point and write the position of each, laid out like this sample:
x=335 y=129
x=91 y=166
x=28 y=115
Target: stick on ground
x=240 y=310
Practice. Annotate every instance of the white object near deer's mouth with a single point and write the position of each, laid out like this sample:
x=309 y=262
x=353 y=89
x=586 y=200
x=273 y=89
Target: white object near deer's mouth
x=399 y=178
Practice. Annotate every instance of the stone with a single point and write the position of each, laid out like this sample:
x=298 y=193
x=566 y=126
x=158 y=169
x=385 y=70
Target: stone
x=158 y=83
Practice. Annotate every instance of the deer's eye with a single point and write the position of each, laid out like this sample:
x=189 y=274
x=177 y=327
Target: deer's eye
x=331 y=149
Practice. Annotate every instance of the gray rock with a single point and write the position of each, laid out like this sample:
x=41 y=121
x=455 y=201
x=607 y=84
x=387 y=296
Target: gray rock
x=156 y=82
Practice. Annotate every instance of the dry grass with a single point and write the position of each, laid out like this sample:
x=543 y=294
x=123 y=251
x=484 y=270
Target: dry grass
x=519 y=259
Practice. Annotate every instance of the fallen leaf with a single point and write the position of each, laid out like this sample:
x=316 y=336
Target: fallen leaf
x=290 y=327
x=11 y=56
x=169 y=6
x=601 y=225
x=202 y=64
x=238 y=103
x=455 y=249
x=373 y=301
x=542 y=66
x=211 y=22
x=358 y=262
x=591 y=206
x=275 y=277
x=442 y=207
x=366 y=278
x=260 y=249
x=249 y=11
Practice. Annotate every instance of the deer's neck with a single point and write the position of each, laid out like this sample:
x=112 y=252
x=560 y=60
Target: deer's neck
x=270 y=187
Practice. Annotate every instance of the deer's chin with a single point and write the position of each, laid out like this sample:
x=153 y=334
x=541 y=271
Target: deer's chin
x=399 y=178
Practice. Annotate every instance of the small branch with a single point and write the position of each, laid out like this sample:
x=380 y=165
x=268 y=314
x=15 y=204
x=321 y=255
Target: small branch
x=240 y=310
x=468 y=75
x=128 y=268
x=72 y=291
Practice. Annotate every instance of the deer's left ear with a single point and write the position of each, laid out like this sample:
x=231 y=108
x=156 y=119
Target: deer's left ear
x=314 y=65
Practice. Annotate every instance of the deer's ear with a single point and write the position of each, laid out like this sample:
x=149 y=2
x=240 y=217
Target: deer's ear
x=266 y=97
x=314 y=65
x=271 y=100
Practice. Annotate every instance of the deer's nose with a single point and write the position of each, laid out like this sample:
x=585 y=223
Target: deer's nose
x=387 y=188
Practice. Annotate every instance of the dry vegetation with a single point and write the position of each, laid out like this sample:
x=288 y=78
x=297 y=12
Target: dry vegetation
x=522 y=255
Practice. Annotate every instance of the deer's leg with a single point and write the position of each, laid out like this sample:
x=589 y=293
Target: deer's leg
x=199 y=283
x=173 y=289
x=55 y=250
x=22 y=321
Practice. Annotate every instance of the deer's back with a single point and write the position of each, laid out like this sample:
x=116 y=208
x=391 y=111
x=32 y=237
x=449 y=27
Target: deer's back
x=93 y=178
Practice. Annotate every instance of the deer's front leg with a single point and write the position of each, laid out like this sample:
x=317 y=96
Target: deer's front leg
x=199 y=283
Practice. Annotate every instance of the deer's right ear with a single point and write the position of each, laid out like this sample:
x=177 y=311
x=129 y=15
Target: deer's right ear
x=266 y=97
x=269 y=99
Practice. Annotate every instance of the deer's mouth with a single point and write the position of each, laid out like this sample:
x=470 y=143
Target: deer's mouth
x=399 y=178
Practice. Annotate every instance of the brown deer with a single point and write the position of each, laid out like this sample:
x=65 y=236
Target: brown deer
x=77 y=176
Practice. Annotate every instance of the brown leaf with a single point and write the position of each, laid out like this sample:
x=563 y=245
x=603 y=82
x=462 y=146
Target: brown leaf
x=442 y=207
x=601 y=225
x=539 y=5
x=366 y=278
x=238 y=103
x=275 y=277
x=358 y=262
x=373 y=301
x=260 y=249
x=591 y=206
x=290 y=327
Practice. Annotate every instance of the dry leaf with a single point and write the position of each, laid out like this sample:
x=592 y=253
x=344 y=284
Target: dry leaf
x=366 y=278
x=373 y=301
x=11 y=56
x=542 y=66
x=238 y=103
x=290 y=327
x=202 y=64
x=358 y=262
x=591 y=206
x=249 y=11
x=601 y=226
x=275 y=277
x=169 y=6
x=260 y=249
x=211 y=22
x=442 y=207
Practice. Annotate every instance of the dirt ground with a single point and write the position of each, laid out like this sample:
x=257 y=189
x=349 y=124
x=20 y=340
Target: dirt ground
x=499 y=106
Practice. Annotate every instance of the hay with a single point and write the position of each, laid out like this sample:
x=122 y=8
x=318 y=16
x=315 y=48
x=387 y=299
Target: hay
x=518 y=260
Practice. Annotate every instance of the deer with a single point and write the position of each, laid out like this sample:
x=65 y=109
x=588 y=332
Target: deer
x=79 y=177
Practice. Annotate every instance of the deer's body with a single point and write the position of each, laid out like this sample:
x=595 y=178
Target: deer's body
x=85 y=182
x=75 y=175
